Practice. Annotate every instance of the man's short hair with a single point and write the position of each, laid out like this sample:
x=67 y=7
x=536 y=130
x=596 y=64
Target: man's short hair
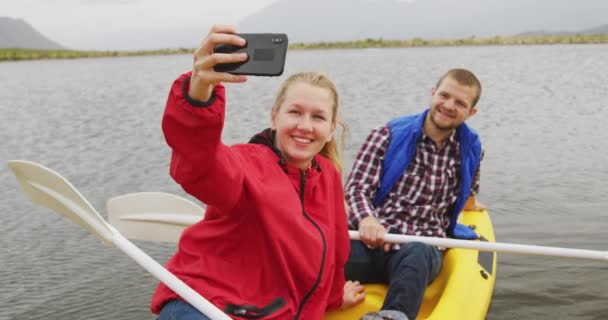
x=465 y=78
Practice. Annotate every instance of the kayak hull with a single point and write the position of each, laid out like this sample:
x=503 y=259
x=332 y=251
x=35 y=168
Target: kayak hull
x=462 y=290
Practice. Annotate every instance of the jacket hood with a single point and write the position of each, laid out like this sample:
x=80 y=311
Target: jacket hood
x=266 y=137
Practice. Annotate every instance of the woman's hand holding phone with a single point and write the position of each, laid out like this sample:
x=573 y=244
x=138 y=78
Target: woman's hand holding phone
x=204 y=77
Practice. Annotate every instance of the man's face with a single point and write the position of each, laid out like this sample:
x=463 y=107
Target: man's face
x=451 y=104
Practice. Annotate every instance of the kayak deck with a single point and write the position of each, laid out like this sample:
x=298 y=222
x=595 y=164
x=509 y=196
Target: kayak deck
x=462 y=290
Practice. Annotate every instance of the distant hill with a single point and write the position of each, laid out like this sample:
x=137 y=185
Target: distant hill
x=16 y=33
x=344 y=20
x=598 y=30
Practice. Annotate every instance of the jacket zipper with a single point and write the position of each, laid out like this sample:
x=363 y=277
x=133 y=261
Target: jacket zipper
x=314 y=287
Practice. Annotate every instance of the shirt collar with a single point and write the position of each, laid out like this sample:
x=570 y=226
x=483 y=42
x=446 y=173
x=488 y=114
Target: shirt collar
x=449 y=141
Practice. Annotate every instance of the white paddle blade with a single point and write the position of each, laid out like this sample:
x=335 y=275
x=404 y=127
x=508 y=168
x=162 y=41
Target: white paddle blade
x=49 y=189
x=152 y=216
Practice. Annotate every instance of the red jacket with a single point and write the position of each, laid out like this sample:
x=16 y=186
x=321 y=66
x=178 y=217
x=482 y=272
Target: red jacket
x=262 y=237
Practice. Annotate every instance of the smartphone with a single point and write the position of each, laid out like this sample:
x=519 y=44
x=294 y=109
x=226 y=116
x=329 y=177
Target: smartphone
x=266 y=54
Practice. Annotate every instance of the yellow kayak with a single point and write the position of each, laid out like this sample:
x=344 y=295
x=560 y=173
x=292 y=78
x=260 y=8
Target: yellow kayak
x=462 y=290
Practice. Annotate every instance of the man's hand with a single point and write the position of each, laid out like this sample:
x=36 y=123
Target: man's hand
x=354 y=293
x=473 y=205
x=372 y=232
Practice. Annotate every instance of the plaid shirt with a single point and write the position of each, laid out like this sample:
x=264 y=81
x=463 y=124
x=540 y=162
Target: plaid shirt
x=421 y=201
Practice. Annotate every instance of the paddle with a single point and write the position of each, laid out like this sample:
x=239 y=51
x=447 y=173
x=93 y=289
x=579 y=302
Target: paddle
x=132 y=213
x=152 y=216
x=49 y=189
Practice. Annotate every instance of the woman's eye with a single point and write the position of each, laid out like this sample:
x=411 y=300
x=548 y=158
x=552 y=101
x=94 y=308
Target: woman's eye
x=294 y=111
x=319 y=117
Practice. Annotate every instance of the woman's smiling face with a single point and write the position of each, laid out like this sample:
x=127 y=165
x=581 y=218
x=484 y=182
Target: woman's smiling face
x=303 y=123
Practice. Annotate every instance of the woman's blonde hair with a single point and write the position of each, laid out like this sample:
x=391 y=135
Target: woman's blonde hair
x=331 y=150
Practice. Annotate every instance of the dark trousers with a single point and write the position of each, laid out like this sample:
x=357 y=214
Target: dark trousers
x=407 y=271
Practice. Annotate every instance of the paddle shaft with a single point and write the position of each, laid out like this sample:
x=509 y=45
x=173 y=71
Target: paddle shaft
x=493 y=246
x=138 y=216
x=49 y=189
x=168 y=278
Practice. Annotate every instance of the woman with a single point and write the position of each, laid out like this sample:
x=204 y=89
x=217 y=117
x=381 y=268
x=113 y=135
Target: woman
x=274 y=240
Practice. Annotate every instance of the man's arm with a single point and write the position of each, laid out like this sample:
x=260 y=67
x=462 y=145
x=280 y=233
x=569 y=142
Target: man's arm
x=364 y=179
x=363 y=184
x=472 y=204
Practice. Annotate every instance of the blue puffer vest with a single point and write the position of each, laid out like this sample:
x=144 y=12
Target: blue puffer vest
x=405 y=133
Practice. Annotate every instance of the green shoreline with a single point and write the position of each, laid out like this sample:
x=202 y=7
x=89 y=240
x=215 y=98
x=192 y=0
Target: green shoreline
x=35 y=54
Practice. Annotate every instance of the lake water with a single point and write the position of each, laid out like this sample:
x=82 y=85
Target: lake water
x=542 y=117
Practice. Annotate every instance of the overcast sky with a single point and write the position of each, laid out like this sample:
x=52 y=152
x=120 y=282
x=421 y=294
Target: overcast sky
x=127 y=24
x=156 y=24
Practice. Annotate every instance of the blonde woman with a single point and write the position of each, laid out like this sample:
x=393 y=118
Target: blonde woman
x=274 y=240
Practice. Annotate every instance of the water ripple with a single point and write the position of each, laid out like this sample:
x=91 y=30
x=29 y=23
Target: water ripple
x=542 y=117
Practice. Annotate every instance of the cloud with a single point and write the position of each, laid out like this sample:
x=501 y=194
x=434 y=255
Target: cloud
x=127 y=24
x=86 y=2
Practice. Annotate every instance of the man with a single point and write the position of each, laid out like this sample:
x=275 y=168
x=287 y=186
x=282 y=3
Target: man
x=413 y=176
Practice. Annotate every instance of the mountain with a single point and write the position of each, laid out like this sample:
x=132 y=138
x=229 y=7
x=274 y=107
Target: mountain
x=597 y=30
x=16 y=33
x=343 y=20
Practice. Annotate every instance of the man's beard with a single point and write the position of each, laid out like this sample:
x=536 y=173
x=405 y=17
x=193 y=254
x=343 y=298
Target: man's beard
x=442 y=127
